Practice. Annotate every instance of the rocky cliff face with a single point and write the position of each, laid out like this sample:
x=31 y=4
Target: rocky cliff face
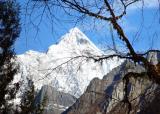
x=153 y=57
x=104 y=96
x=54 y=102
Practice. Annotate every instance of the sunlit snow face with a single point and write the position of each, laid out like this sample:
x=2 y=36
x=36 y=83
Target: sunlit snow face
x=71 y=77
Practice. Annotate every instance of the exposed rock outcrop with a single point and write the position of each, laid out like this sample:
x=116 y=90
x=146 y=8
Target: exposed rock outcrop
x=54 y=101
x=105 y=96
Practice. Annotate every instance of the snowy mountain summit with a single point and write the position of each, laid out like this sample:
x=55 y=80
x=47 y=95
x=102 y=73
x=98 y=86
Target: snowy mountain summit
x=62 y=65
x=74 y=42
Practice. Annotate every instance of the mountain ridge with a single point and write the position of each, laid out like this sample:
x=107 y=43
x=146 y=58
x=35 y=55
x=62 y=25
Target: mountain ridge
x=57 y=68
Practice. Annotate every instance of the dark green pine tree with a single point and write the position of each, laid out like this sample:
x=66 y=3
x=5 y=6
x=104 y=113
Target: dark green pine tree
x=9 y=32
x=28 y=97
x=28 y=102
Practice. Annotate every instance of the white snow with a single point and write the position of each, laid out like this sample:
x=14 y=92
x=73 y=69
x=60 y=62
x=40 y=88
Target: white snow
x=56 y=106
x=52 y=67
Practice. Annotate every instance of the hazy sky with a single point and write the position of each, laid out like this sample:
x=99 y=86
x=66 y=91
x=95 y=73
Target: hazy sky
x=142 y=30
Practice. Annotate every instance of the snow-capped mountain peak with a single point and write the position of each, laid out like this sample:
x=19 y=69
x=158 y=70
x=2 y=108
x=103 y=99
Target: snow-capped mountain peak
x=74 y=41
x=59 y=69
x=75 y=36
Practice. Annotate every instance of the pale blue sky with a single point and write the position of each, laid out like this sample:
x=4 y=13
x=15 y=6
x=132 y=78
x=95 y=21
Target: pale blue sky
x=132 y=23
